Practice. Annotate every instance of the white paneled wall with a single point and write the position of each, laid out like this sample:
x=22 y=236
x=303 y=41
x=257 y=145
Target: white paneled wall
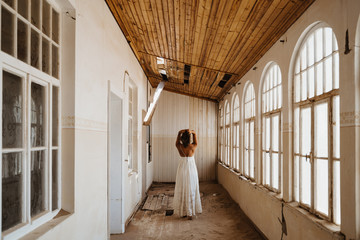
x=175 y=112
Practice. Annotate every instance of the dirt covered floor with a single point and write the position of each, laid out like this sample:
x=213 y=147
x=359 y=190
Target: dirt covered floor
x=221 y=217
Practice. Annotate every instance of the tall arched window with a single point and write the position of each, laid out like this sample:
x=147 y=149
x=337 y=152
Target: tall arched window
x=249 y=132
x=236 y=133
x=271 y=127
x=316 y=124
x=221 y=147
x=227 y=133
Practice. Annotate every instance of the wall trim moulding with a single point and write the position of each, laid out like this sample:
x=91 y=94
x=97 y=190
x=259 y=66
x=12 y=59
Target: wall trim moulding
x=350 y=119
x=83 y=123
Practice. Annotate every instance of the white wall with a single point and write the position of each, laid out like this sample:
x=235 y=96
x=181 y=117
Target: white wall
x=102 y=55
x=173 y=113
x=264 y=209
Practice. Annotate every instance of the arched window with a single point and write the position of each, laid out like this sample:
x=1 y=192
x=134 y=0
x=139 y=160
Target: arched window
x=236 y=133
x=227 y=133
x=316 y=124
x=271 y=126
x=249 y=132
x=221 y=142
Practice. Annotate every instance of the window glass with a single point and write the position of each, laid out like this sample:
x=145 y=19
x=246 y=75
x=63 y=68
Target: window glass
x=314 y=129
x=7 y=31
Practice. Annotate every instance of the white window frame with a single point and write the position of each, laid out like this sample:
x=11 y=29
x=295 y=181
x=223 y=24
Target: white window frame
x=235 y=163
x=248 y=120
x=309 y=98
x=221 y=140
x=227 y=134
x=30 y=75
x=271 y=108
x=130 y=129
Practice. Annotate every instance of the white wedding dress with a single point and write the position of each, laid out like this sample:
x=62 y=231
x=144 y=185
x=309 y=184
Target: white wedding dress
x=187 y=195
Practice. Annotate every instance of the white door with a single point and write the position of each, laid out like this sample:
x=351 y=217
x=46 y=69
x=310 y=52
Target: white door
x=115 y=166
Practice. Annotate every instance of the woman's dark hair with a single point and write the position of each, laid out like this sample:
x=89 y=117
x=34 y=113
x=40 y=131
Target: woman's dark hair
x=185 y=138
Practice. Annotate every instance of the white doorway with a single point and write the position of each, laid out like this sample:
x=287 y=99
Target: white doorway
x=115 y=163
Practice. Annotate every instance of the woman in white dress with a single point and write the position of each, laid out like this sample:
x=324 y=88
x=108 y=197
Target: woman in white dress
x=187 y=195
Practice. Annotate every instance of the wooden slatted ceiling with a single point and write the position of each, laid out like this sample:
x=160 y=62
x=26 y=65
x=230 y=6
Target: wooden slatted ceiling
x=214 y=37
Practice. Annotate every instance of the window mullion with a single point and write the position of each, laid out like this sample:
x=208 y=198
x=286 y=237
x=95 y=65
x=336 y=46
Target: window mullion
x=312 y=162
x=279 y=154
x=49 y=144
x=270 y=153
x=330 y=159
x=27 y=158
x=300 y=157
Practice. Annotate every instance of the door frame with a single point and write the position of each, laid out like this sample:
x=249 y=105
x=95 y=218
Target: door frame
x=121 y=95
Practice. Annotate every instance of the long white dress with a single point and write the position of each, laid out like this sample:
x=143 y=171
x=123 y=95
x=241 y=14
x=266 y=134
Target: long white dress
x=187 y=195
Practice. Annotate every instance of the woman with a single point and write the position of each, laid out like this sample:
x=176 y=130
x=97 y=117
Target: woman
x=187 y=196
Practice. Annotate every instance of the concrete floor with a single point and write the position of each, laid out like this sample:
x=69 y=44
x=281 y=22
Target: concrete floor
x=221 y=217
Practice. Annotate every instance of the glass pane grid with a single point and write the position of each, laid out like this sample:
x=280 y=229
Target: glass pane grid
x=316 y=73
x=42 y=44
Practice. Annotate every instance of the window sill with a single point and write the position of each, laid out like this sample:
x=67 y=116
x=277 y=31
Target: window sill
x=38 y=232
x=323 y=224
x=294 y=207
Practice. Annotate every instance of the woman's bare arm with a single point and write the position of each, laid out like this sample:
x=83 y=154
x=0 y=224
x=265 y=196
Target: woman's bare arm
x=195 y=142
x=177 y=143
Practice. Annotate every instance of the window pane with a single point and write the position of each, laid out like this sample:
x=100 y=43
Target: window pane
x=311 y=82
x=12 y=177
x=275 y=170
x=7 y=31
x=35 y=46
x=246 y=153
x=130 y=142
x=328 y=41
x=23 y=6
x=45 y=56
x=297 y=88
x=55 y=116
x=252 y=132
x=303 y=56
x=37 y=182
x=305 y=181
x=305 y=133
x=321 y=129
x=35 y=13
x=46 y=18
x=12 y=128
x=336 y=126
x=296 y=178
x=304 y=93
x=22 y=41
x=311 y=49
x=251 y=165
x=55 y=62
x=336 y=70
x=319 y=44
x=319 y=79
x=336 y=193
x=55 y=26
x=328 y=74
x=267 y=134
x=296 y=130
x=322 y=192
x=55 y=180
x=275 y=133
x=267 y=168
x=37 y=115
